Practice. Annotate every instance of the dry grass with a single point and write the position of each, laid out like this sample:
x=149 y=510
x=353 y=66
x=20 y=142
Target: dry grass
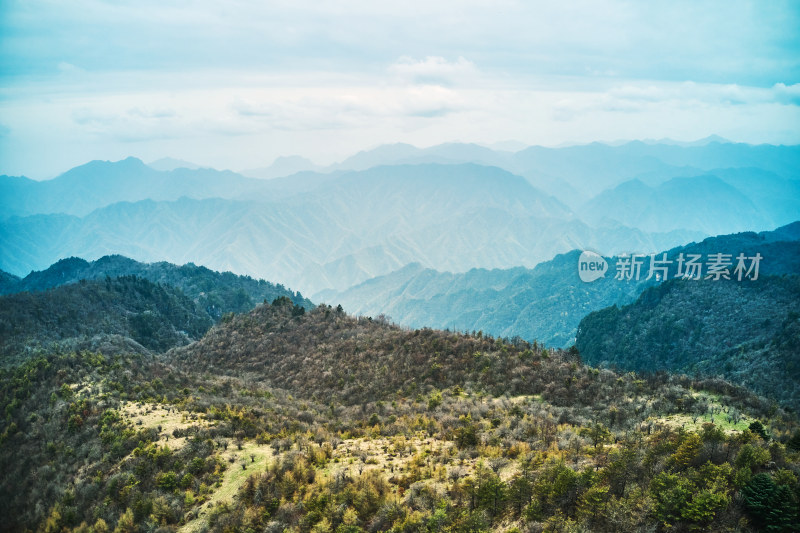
x=720 y=418
x=166 y=417
x=233 y=478
x=689 y=423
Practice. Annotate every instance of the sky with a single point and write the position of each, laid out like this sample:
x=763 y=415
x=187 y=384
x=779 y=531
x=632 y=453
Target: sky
x=236 y=84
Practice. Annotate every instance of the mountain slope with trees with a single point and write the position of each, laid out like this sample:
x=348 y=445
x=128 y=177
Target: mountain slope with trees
x=154 y=316
x=744 y=332
x=287 y=419
x=545 y=303
x=216 y=293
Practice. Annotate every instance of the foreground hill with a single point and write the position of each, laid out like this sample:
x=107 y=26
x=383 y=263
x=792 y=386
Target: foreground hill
x=413 y=430
x=216 y=293
x=544 y=303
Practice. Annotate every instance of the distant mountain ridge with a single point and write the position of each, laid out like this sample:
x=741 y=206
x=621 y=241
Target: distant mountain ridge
x=545 y=303
x=98 y=184
x=281 y=167
x=165 y=164
x=739 y=200
x=338 y=232
x=451 y=207
x=576 y=173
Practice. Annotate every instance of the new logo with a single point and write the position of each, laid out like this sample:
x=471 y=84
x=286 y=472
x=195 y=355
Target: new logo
x=591 y=266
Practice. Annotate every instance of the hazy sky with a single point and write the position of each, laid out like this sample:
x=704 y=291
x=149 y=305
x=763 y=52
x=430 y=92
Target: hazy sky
x=235 y=84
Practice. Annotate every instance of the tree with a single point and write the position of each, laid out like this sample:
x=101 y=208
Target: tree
x=758 y=428
x=688 y=450
x=598 y=433
x=467 y=436
x=520 y=491
x=126 y=523
x=770 y=505
x=492 y=493
x=167 y=481
x=794 y=442
x=593 y=501
x=703 y=506
x=671 y=494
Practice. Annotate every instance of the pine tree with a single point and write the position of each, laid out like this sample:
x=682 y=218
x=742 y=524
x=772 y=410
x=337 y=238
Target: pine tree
x=769 y=504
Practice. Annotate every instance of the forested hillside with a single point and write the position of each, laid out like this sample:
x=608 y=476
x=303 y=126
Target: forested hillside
x=745 y=332
x=154 y=316
x=215 y=292
x=281 y=419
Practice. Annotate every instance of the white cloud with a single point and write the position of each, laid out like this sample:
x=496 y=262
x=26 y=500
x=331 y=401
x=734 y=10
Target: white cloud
x=242 y=82
x=652 y=96
x=433 y=70
x=787 y=94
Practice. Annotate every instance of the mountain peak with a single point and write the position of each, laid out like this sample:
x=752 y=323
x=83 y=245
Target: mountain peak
x=170 y=163
x=129 y=163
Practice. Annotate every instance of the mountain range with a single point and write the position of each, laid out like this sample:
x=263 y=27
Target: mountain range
x=725 y=201
x=451 y=207
x=545 y=303
x=156 y=397
x=217 y=293
x=574 y=174
x=341 y=231
x=98 y=184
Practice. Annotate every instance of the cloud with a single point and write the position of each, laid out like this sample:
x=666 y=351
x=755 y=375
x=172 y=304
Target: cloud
x=91 y=77
x=718 y=42
x=787 y=94
x=85 y=116
x=348 y=106
x=638 y=98
x=152 y=113
x=69 y=68
x=433 y=70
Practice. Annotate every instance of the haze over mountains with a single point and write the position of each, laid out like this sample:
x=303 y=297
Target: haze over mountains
x=129 y=381
x=451 y=207
x=545 y=303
